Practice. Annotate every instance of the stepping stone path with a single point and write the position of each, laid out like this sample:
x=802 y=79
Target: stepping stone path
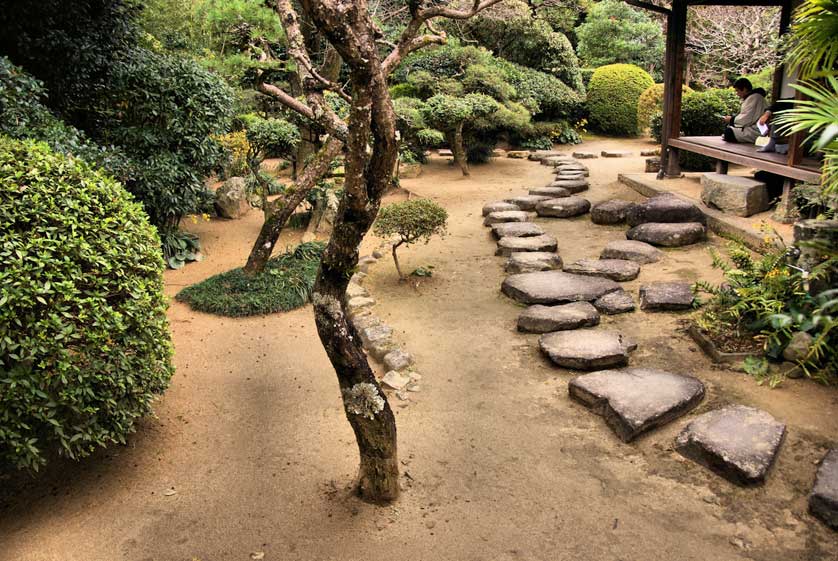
x=616 y=154
x=670 y=296
x=619 y=302
x=516 y=229
x=823 y=502
x=668 y=235
x=544 y=319
x=552 y=192
x=664 y=208
x=733 y=194
x=636 y=400
x=566 y=207
x=610 y=212
x=527 y=202
x=556 y=287
x=615 y=269
x=509 y=245
x=586 y=349
x=532 y=261
x=585 y=155
x=506 y=216
x=739 y=443
x=498 y=206
x=570 y=185
x=639 y=252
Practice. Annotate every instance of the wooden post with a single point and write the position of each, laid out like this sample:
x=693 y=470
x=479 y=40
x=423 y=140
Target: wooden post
x=721 y=167
x=785 y=20
x=785 y=211
x=676 y=36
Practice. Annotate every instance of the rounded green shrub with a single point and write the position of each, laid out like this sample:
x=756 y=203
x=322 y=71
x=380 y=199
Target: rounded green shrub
x=701 y=115
x=650 y=102
x=84 y=340
x=411 y=221
x=612 y=98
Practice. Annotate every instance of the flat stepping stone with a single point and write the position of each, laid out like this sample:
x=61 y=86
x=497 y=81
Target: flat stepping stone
x=545 y=319
x=506 y=216
x=572 y=173
x=516 y=229
x=509 y=245
x=733 y=194
x=555 y=161
x=610 y=212
x=498 y=206
x=668 y=235
x=636 y=400
x=631 y=250
x=666 y=296
x=616 y=154
x=654 y=152
x=586 y=349
x=445 y=152
x=539 y=155
x=665 y=208
x=614 y=303
x=574 y=176
x=552 y=192
x=823 y=502
x=517 y=154
x=566 y=207
x=532 y=261
x=527 y=202
x=615 y=269
x=570 y=185
x=556 y=287
x=739 y=443
x=585 y=155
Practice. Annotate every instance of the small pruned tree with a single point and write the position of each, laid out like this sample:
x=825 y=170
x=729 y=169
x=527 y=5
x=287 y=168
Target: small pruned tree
x=451 y=114
x=265 y=138
x=412 y=221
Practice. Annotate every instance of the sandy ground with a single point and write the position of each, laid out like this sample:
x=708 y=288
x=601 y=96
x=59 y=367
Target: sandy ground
x=498 y=463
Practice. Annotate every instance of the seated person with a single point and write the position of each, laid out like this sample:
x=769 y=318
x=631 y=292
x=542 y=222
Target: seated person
x=743 y=127
x=776 y=142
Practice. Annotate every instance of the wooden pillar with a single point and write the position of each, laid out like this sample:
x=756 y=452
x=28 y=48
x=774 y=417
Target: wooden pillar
x=785 y=20
x=676 y=36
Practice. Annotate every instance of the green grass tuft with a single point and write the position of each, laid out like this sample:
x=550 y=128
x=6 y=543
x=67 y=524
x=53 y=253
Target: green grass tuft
x=285 y=284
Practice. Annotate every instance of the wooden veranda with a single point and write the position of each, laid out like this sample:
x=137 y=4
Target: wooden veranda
x=793 y=167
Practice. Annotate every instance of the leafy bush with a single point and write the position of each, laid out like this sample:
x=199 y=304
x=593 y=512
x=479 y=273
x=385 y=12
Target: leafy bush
x=285 y=283
x=236 y=149
x=84 y=341
x=613 y=96
x=412 y=221
x=651 y=102
x=179 y=248
x=701 y=115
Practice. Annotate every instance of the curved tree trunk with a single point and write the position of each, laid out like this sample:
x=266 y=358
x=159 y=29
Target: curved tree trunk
x=459 y=150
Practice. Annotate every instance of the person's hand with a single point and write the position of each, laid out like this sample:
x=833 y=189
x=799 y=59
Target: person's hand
x=727 y=119
x=764 y=118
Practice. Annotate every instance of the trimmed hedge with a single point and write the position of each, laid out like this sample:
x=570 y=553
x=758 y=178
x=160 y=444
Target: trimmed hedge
x=650 y=102
x=84 y=340
x=613 y=95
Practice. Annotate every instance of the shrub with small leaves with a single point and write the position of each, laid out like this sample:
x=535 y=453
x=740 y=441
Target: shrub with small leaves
x=612 y=98
x=650 y=102
x=84 y=340
x=412 y=221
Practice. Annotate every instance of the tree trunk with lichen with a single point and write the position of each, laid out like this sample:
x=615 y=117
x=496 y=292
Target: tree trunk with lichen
x=458 y=149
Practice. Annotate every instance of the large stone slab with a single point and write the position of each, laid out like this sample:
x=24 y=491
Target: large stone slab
x=616 y=154
x=565 y=207
x=571 y=185
x=585 y=155
x=586 y=349
x=636 y=400
x=610 y=212
x=552 y=192
x=739 y=443
x=823 y=502
x=498 y=206
x=555 y=161
x=544 y=319
x=518 y=154
x=445 y=152
x=516 y=229
x=509 y=245
x=556 y=287
x=631 y=250
x=506 y=216
x=615 y=269
x=527 y=202
x=532 y=261
x=737 y=195
x=564 y=172
x=613 y=303
x=539 y=155
x=665 y=208
x=664 y=296
x=668 y=235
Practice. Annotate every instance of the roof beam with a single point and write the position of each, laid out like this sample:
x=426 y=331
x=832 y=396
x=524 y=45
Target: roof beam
x=648 y=6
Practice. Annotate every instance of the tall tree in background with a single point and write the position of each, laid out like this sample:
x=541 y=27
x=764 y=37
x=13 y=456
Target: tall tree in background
x=369 y=134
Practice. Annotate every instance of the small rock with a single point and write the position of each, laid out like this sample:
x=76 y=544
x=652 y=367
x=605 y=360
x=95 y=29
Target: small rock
x=517 y=154
x=353 y=290
x=619 y=302
x=445 y=152
x=565 y=207
x=823 y=502
x=668 y=235
x=631 y=250
x=570 y=185
x=376 y=333
x=610 y=212
x=619 y=270
x=666 y=296
x=527 y=202
x=556 y=287
x=616 y=154
x=377 y=253
x=552 y=192
x=653 y=165
x=358 y=278
x=498 y=206
x=586 y=349
x=506 y=216
x=360 y=302
x=516 y=229
x=665 y=208
x=397 y=360
x=544 y=319
x=532 y=261
x=509 y=245
x=231 y=199
x=585 y=155
x=257 y=555
x=655 y=152
x=395 y=380
x=364 y=321
x=379 y=349
x=798 y=348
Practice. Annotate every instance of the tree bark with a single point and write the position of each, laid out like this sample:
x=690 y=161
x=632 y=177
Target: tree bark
x=459 y=150
x=396 y=260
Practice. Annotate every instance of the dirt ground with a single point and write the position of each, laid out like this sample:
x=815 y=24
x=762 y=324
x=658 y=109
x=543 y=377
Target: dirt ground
x=498 y=463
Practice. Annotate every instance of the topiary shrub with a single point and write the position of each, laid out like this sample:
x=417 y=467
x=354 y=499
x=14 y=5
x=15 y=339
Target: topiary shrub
x=701 y=115
x=84 y=340
x=612 y=98
x=411 y=221
x=651 y=102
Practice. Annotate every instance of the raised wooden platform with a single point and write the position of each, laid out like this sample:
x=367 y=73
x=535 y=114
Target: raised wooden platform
x=808 y=170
